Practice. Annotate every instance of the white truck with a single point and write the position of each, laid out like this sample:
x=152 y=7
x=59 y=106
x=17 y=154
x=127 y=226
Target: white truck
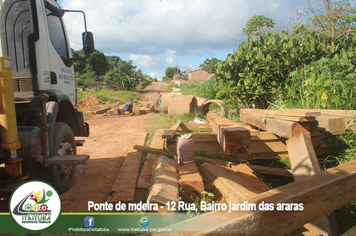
x=41 y=113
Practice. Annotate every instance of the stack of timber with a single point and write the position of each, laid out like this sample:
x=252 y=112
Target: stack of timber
x=263 y=135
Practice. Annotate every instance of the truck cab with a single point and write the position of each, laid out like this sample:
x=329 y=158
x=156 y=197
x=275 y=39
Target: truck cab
x=34 y=36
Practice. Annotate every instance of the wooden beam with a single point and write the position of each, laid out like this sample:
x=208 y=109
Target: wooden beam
x=190 y=182
x=234 y=138
x=125 y=183
x=164 y=183
x=305 y=163
x=150 y=150
x=233 y=186
x=318 y=194
x=144 y=181
x=281 y=128
x=191 y=127
x=280 y=113
x=332 y=124
x=271 y=170
x=171 y=131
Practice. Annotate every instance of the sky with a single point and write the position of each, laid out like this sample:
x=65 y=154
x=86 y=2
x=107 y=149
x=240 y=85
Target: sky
x=156 y=34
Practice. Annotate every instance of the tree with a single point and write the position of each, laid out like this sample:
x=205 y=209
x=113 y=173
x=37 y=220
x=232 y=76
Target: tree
x=209 y=65
x=332 y=19
x=123 y=77
x=170 y=71
x=257 y=25
x=112 y=62
x=97 y=63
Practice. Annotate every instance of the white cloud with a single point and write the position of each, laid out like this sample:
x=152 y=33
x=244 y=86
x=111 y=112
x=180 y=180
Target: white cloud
x=157 y=33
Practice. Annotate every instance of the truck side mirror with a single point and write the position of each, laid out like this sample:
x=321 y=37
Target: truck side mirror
x=88 y=43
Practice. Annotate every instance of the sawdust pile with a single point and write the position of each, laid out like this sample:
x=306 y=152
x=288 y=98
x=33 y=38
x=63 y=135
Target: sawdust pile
x=89 y=101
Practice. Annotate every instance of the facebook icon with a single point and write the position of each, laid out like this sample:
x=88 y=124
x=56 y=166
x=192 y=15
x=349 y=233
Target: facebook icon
x=89 y=221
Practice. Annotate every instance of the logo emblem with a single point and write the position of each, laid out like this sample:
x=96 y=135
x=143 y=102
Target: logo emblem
x=89 y=221
x=35 y=205
x=144 y=221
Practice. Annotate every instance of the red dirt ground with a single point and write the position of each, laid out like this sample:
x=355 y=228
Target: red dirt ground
x=108 y=144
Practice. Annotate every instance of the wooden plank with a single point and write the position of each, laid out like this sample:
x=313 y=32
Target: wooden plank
x=350 y=232
x=234 y=186
x=305 y=163
x=190 y=182
x=320 y=193
x=287 y=112
x=164 y=183
x=254 y=168
x=68 y=159
x=171 y=131
x=267 y=147
x=281 y=128
x=125 y=183
x=191 y=127
x=198 y=137
x=271 y=170
x=144 y=181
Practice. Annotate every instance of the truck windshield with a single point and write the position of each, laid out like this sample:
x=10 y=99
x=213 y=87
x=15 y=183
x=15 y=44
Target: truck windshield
x=56 y=33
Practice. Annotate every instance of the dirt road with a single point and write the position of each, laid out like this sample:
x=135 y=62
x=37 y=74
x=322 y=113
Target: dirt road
x=108 y=144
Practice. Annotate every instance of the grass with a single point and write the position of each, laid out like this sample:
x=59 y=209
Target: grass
x=187 y=89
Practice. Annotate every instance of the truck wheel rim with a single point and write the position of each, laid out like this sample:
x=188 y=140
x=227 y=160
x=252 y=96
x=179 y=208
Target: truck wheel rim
x=65 y=148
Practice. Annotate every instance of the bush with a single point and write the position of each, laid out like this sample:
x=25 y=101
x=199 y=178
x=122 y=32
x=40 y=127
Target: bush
x=324 y=84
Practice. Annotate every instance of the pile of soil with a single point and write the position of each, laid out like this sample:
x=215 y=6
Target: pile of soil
x=90 y=101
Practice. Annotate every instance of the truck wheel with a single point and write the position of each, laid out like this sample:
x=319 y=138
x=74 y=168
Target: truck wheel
x=62 y=176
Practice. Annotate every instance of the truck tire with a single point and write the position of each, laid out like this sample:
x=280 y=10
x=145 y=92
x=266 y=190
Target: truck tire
x=62 y=176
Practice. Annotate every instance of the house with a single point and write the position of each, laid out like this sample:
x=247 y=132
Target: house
x=200 y=75
x=94 y=85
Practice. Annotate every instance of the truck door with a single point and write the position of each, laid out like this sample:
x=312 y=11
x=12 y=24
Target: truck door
x=60 y=64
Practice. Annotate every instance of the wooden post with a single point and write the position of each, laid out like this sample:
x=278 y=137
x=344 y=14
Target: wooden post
x=171 y=131
x=305 y=163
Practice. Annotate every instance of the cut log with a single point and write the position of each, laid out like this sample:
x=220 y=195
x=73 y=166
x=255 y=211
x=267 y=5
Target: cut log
x=164 y=183
x=234 y=186
x=171 y=131
x=318 y=194
x=190 y=181
x=102 y=111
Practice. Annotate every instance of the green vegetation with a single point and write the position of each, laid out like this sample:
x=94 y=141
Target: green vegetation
x=170 y=72
x=117 y=73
